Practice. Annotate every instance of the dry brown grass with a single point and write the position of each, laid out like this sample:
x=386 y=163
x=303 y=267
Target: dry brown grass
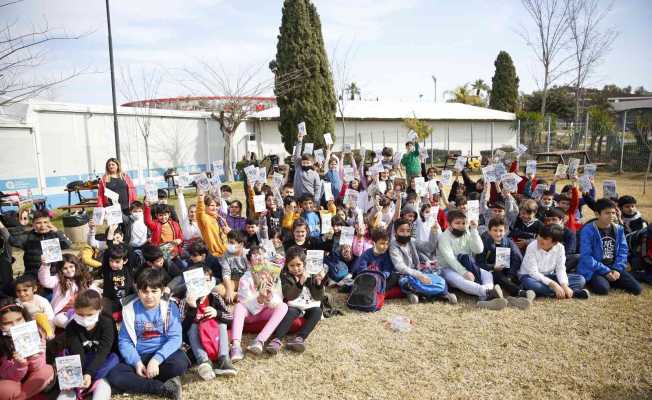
x=595 y=349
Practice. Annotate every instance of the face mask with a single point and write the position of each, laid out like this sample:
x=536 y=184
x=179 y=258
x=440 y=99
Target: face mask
x=86 y=322
x=232 y=248
x=382 y=186
x=403 y=239
x=138 y=216
x=306 y=167
x=458 y=232
x=6 y=333
x=426 y=216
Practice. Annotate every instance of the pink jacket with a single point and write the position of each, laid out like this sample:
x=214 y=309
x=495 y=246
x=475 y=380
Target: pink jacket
x=59 y=299
x=12 y=370
x=360 y=245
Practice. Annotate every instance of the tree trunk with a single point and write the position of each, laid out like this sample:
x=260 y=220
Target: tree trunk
x=228 y=170
x=599 y=152
x=647 y=171
x=544 y=93
x=146 y=138
x=578 y=95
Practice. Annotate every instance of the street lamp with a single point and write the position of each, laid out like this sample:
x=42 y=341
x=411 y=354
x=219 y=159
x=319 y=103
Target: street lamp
x=115 y=108
x=434 y=80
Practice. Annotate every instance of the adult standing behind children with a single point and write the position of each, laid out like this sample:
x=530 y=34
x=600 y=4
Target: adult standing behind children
x=117 y=181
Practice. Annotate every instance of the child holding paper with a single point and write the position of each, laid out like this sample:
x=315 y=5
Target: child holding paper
x=91 y=335
x=411 y=161
x=213 y=233
x=43 y=229
x=303 y=294
x=38 y=307
x=20 y=378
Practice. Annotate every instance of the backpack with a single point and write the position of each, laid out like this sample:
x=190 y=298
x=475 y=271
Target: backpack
x=209 y=332
x=413 y=285
x=368 y=292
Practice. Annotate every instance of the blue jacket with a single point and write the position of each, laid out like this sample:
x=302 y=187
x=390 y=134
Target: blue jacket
x=370 y=261
x=591 y=252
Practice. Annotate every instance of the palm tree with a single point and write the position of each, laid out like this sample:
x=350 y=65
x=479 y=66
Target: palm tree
x=480 y=86
x=353 y=90
x=462 y=94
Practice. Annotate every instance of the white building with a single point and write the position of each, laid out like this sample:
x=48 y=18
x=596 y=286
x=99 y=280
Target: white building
x=46 y=145
x=374 y=124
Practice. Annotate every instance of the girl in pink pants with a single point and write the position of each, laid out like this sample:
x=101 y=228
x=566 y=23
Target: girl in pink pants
x=20 y=378
x=260 y=297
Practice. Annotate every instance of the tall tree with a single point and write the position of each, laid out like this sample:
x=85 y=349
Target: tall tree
x=354 y=90
x=590 y=41
x=550 y=18
x=463 y=94
x=300 y=52
x=480 y=86
x=504 y=84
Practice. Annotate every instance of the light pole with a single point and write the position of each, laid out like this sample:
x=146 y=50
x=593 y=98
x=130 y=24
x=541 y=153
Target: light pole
x=115 y=108
x=434 y=80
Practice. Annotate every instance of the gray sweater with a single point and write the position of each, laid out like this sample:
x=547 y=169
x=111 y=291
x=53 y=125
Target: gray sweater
x=406 y=258
x=305 y=181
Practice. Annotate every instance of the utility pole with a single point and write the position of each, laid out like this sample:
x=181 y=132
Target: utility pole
x=115 y=107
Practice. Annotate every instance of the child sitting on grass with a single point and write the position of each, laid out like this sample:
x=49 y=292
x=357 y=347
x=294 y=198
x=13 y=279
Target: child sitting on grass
x=150 y=342
x=303 y=294
x=38 y=307
x=544 y=268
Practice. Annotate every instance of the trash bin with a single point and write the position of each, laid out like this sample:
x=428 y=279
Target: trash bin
x=75 y=226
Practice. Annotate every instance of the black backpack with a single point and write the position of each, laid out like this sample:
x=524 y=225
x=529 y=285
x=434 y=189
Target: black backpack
x=368 y=292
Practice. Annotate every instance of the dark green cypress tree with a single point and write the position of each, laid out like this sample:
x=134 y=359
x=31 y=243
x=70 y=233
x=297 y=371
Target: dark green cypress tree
x=504 y=84
x=304 y=84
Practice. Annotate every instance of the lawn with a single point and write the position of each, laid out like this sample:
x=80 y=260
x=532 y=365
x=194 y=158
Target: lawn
x=595 y=349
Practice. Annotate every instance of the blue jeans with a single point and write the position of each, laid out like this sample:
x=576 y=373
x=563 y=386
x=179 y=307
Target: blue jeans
x=195 y=344
x=575 y=282
x=468 y=261
x=626 y=282
x=124 y=379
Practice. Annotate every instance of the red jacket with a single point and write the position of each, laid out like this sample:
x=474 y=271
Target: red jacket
x=103 y=201
x=156 y=228
x=573 y=224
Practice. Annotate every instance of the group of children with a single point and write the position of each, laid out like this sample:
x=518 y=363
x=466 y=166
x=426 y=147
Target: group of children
x=260 y=275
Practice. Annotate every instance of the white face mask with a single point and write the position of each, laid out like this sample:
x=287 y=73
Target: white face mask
x=86 y=322
x=231 y=248
x=138 y=215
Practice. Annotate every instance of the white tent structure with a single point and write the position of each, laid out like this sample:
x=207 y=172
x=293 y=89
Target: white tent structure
x=46 y=145
x=375 y=124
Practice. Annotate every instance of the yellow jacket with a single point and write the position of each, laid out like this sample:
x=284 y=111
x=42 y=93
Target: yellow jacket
x=87 y=255
x=211 y=232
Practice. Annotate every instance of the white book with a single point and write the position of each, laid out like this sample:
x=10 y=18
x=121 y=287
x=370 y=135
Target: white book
x=308 y=148
x=259 y=203
x=110 y=194
x=69 y=372
x=420 y=186
x=346 y=235
x=203 y=184
x=521 y=149
x=585 y=183
x=195 y=280
x=460 y=163
x=314 y=261
x=503 y=257
x=302 y=130
x=590 y=169
x=277 y=196
x=412 y=136
x=218 y=167
x=446 y=177
x=277 y=180
x=538 y=192
x=319 y=155
x=473 y=210
x=326 y=225
x=351 y=198
x=113 y=215
x=531 y=167
x=328 y=139
x=151 y=192
x=347 y=148
x=489 y=173
x=26 y=338
x=348 y=173
x=609 y=189
x=184 y=180
x=328 y=190
x=500 y=171
x=432 y=186
x=561 y=170
x=509 y=182
x=262 y=175
x=51 y=249
x=573 y=165
x=98 y=215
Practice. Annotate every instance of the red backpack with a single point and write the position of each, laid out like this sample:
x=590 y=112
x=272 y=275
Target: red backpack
x=209 y=332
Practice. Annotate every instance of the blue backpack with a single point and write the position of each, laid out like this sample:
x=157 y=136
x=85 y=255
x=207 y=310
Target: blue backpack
x=368 y=292
x=412 y=284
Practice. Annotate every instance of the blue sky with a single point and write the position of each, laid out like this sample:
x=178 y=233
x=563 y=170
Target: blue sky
x=396 y=45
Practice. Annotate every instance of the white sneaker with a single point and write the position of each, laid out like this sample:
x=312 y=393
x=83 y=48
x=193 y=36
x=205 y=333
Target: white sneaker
x=451 y=298
x=256 y=347
x=205 y=371
x=413 y=298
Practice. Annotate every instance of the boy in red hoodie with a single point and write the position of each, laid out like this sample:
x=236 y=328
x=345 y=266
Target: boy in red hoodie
x=164 y=229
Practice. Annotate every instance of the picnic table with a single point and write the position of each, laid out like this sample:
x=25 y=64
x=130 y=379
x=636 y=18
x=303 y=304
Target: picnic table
x=10 y=200
x=452 y=157
x=83 y=202
x=562 y=157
